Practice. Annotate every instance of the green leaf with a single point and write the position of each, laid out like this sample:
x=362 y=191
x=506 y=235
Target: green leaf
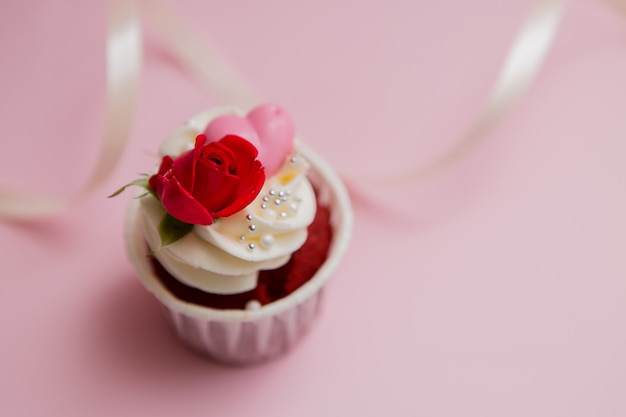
x=172 y=230
x=141 y=182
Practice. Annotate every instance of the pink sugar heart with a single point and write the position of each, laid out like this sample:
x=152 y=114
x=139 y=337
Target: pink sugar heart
x=268 y=127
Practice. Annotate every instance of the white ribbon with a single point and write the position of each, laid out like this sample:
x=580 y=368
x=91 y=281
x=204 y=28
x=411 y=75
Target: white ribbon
x=522 y=64
x=122 y=77
x=212 y=71
x=196 y=55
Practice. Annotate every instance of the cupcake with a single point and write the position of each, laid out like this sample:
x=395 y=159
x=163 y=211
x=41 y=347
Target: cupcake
x=239 y=228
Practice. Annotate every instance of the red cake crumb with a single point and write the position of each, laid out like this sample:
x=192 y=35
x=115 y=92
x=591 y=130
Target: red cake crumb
x=272 y=284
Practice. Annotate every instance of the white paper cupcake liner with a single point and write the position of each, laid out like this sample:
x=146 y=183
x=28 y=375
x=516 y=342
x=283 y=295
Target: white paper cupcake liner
x=251 y=336
x=244 y=342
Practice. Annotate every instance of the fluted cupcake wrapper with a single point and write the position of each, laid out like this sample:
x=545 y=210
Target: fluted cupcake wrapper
x=251 y=336
x=244 y=342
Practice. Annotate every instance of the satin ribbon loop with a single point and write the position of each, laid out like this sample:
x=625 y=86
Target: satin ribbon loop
x=520 y=68
x=123 y=69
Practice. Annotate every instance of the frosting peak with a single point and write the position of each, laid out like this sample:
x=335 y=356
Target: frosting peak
x=226 y=256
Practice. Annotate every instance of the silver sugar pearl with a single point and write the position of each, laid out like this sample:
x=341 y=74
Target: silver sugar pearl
x=266 y=199
x=283 y=214
x=252 y=227
x=263 y=206
x=249 y=217
x=251 y=246
x=272 y=192
x=277 y=201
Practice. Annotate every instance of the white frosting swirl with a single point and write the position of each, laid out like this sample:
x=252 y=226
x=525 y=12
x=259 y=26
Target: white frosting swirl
x=225 y=257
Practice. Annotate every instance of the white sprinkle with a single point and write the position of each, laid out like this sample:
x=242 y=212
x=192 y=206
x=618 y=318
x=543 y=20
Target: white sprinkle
x=267 y=241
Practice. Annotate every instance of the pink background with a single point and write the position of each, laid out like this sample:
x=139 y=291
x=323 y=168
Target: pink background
x=495 y=289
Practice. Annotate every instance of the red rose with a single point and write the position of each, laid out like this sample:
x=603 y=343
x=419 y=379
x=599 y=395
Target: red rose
x=211 y=180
